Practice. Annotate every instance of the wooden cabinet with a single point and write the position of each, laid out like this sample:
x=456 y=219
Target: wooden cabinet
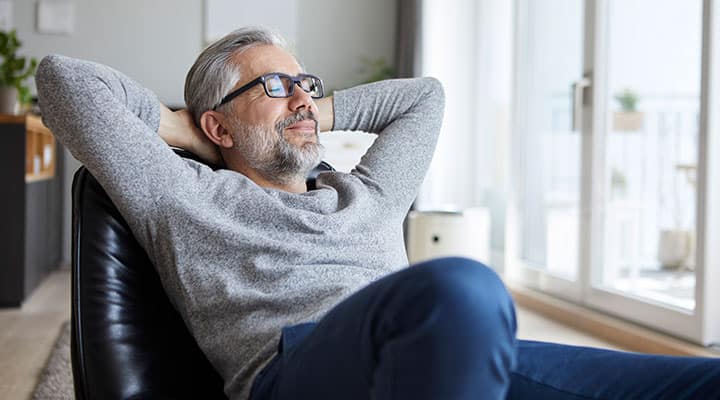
x=30 y=206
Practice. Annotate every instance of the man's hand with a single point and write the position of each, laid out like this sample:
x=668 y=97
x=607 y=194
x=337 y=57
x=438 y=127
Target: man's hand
x=178 y=129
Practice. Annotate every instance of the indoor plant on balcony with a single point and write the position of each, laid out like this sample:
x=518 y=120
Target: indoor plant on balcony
x=14 y=71
x=628 y=119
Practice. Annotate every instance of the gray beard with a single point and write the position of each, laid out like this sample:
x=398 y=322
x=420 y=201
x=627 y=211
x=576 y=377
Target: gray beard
x=272 y=155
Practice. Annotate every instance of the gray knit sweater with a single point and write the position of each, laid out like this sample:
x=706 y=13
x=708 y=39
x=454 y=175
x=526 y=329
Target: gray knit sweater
x=237 y=260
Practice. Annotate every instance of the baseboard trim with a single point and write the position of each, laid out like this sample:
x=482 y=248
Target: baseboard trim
x=618 y=332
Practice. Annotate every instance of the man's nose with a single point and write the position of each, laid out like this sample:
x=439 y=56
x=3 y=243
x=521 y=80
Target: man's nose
x=300 y=100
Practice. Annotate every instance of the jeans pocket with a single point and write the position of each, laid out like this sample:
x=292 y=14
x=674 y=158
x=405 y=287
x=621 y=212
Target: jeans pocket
x=260 y=385
x=294 y=334
x=291 y=336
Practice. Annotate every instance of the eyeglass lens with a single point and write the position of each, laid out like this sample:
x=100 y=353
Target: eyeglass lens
x=283 y=86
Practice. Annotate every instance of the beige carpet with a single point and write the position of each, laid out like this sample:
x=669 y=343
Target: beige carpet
x=56 y=379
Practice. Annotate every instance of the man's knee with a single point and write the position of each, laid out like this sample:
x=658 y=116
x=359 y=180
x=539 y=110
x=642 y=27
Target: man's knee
x=463 y=276
x=467 y=288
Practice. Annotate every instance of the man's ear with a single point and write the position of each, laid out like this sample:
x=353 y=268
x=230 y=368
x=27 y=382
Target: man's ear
x=212 y=124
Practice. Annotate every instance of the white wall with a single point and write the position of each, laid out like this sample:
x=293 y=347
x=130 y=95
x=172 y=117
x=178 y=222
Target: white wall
x=155 y=42
x=333 y=35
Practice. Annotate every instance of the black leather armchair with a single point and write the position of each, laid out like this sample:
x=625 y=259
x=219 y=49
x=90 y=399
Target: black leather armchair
x=128 y=342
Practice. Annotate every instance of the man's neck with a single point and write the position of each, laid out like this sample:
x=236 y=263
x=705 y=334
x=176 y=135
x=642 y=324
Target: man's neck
x=297 y=185
x=294 y=185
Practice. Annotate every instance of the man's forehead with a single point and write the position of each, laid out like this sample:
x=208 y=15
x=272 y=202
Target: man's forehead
x=261 y=60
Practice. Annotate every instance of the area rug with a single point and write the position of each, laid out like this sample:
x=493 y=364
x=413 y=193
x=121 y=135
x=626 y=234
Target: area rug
x=56 y=379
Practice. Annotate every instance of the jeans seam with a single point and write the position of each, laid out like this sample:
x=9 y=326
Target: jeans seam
x=553 y=387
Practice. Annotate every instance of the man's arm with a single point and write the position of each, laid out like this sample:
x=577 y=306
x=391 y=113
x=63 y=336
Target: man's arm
x=407 y=115
x=109 y=123
x=326 y=116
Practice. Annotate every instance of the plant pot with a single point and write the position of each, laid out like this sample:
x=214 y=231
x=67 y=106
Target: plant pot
x=625 y=121
x=674 y=248
x=8 y=100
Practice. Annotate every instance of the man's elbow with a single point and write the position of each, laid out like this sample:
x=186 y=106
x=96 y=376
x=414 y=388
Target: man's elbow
x=50 y=70
x=434 y=90
x=435 y=86
x=51 y=76
x=57 y=84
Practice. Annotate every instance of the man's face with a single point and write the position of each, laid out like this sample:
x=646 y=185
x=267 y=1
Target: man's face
x=278 y=137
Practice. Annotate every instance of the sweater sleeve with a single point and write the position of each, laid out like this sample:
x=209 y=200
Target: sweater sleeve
x=406 y=114
x=109 y=123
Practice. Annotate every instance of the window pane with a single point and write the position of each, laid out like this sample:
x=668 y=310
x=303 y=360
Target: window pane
x=651 y=147
x=550 y=158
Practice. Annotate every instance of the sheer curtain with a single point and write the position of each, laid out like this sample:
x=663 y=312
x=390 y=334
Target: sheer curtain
x=467 y=44
x=408 y=46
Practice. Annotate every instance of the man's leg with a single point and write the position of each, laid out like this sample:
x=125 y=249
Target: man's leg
x=560 y=372
x=443 y=329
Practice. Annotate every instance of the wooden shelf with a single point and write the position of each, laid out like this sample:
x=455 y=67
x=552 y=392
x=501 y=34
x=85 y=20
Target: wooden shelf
x=39 y=150
x=40 y=147
x=12 y=119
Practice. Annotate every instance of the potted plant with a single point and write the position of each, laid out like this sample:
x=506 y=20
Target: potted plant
x=14 y=71
x=628 y=119
x=376 y=69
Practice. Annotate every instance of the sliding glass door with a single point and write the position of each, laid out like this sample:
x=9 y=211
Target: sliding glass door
x=544 y=228
x=613 y=147
x=644 y=256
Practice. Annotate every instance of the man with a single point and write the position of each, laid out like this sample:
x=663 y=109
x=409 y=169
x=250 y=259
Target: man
x=296 y=294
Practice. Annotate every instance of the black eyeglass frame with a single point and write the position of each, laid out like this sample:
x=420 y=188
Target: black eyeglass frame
x=263 y=79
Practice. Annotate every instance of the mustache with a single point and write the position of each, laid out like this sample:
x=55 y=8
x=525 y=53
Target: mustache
x=296 y=117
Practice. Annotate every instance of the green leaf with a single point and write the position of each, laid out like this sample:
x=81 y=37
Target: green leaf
x=14 y=69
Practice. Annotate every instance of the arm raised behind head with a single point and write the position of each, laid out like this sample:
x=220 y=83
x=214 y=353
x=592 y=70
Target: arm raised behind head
x=178 y=129
x=406 y=114
x=109 y=123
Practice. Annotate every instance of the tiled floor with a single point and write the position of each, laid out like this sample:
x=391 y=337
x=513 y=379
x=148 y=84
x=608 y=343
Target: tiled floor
x=27 y=334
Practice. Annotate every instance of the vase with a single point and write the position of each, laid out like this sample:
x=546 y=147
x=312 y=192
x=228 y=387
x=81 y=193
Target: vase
x=8 y=100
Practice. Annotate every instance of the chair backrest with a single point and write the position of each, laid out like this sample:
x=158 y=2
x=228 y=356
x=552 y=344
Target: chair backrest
x=127 y=340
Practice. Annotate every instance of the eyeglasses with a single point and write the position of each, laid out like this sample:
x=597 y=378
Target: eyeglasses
x=279 y=85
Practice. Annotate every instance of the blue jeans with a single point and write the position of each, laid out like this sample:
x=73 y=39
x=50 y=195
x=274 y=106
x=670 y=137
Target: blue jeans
x=445 y=330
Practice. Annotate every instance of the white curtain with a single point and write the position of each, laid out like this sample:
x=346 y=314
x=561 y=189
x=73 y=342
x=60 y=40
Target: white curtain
x=468 y=44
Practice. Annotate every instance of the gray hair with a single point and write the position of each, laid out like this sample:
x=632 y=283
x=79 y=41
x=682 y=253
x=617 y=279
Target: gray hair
x=214 y=73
